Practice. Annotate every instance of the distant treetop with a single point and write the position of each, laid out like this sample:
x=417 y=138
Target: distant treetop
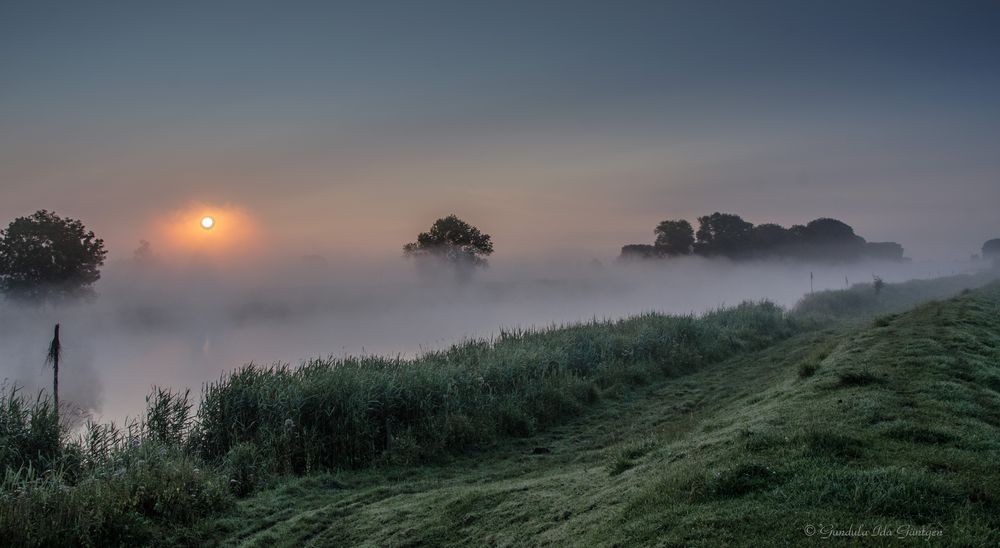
x=728 y=235
x=723 y=234
x=452 y=241
x=991 y=249
x=674 y=237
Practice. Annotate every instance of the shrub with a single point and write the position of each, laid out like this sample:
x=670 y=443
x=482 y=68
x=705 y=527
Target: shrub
x=244 y=469
x=168 y=485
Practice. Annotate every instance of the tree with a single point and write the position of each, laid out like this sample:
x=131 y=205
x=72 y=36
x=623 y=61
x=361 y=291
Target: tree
x=143 y=255
x=878 y=284
x=723 y=234
x=826 y=231
x=452 y=241
x=771 y=239
x=828 y=239
x=674 y=237
x=991 y=249
x=45 y=256
x=886 y=251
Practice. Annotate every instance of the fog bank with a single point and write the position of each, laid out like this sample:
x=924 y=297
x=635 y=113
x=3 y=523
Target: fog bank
x=183 y=326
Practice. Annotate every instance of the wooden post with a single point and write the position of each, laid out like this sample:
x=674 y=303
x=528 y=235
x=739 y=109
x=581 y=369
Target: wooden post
x=55 y=352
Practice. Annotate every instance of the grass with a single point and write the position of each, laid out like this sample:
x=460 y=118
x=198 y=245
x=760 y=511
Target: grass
x=650 y=430
x=861 y=302
x=742 y=452
x=256 y=426
x=331 y=414
x=108 y=486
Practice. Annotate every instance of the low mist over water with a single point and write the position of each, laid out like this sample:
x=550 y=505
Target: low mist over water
x=182 y=327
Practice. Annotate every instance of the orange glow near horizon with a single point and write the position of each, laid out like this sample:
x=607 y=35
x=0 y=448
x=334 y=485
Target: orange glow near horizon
x=203 y=230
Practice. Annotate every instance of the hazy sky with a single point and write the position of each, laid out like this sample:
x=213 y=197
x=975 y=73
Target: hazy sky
x=558 y=127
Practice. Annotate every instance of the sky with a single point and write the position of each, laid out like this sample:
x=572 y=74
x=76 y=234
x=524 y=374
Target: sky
x=560 y=128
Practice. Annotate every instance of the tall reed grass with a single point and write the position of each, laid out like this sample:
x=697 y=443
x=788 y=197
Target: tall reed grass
x=119 y=484
x=106 y=485
x=351 y=412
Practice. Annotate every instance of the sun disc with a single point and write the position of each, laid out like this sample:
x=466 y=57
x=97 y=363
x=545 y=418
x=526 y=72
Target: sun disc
x=207 y=222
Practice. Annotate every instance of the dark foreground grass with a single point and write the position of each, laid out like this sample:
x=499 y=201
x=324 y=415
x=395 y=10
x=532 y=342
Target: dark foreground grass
x=107 y=487
x=745 y=452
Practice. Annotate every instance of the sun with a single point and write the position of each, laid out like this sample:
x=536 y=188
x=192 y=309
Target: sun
x=222 y=231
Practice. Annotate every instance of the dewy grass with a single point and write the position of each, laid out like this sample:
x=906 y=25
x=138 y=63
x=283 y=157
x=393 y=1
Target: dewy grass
x=180 y=464
x=742 y=452
x=109 y=486
x=120 y=484
x=347 y=413
x=861 y=302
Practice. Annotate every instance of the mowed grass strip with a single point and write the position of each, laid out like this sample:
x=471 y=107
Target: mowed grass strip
x=897 y=429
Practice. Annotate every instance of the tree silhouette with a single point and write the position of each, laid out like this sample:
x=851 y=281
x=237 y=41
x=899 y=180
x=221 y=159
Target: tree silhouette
x=885 y=251
x=45 y=256
x=878 y=284
x=674 y=237
x=727 y=235
x=824 y=231
x=723 y=234
x=991 y=249
x=454 y=242
x=143 y=255
x=771 y=239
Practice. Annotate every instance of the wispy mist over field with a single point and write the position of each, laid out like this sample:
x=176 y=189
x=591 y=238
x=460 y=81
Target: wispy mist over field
x=181 y=327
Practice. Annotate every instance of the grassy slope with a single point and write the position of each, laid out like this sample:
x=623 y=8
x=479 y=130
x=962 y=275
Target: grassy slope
x=899 y=425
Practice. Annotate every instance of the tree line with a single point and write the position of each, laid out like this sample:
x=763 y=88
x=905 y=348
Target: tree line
x=44 y=256
x=728 y=235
